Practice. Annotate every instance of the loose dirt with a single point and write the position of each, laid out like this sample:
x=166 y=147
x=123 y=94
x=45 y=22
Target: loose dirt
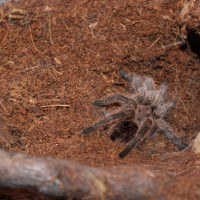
x=57 y=57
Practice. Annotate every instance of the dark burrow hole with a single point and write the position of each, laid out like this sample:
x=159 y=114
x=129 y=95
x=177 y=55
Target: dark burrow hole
x=193 y=38
x=124 y=131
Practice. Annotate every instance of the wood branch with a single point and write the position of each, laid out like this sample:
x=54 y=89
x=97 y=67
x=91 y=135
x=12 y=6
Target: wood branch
x=68 y=179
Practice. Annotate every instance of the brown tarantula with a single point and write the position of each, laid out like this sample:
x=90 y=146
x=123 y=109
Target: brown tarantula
x=142 y=113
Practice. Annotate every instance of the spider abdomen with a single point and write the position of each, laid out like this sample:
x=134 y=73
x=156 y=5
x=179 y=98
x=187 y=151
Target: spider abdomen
x=124 y=131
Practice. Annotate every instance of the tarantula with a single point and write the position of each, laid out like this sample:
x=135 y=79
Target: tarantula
x=142 y=113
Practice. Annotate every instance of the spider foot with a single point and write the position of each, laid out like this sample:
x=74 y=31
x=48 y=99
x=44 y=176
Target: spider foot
x=183 y=146
x=88 y=130
x=125 y=76
x=124 y=153
x=99 y=103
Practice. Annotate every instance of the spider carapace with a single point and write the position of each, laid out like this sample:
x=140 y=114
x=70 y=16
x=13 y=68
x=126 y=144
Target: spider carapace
x=141 y=113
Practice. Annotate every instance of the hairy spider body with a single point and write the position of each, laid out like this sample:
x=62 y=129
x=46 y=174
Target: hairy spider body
x=142 y=113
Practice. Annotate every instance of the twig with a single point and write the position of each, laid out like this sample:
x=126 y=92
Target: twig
x=154 y=42
x=5 y=36
x=171 y=45
x=193 y=168
x=56 y=105
x=70 y=180
x=56 y=71
x=33 y=40
x=50 y=32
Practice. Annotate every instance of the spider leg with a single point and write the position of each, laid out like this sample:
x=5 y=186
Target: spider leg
x=135 y=81
x=125 y=76
x=169 y=135
x=114 y=99
x=105 y=121
x=141 y=135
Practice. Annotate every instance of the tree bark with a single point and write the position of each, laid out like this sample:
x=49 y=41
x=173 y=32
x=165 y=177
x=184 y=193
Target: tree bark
x=71 y=180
